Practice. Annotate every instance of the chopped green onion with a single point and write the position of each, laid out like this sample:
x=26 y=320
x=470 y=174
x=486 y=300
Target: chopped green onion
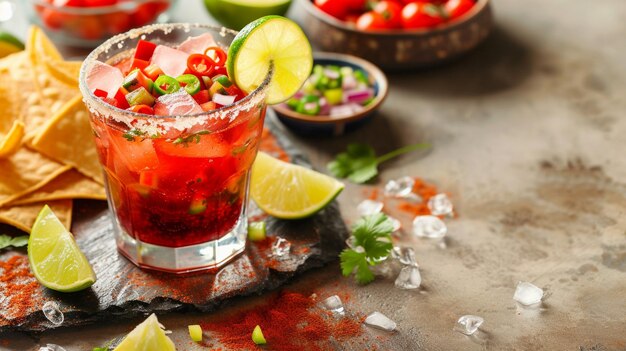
x=166 y=85
x=192 y=83
x=361 y=77
x=140 y=96
x=309 y=105
x=256 y=231
x=257 y=336
x=223 y=80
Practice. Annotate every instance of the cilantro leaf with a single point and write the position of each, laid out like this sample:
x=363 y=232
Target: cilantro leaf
x=353 y=261
x=373 y=235
x=18 y=241
x=360 y=164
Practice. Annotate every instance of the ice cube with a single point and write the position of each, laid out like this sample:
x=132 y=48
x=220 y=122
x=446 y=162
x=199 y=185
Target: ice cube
x=197 y=45
x=369 y=207
x=380 y=321
x=104 y=77
x=179 y=103
x=440 y=205
x=281 y=248
x=429 y=227
x=527 y=294
x=406 y=255
x=334 y=304
x=402 y=187
x=409 y=278
x=53 y=313
x=468 y=324
x=171 y=61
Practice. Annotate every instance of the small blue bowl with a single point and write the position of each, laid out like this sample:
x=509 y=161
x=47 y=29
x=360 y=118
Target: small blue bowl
x=337 y=125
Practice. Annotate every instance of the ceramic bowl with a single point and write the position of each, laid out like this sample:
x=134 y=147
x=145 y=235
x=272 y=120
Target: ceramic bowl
x=90 y=26
x=337 y=125
x=400 y=50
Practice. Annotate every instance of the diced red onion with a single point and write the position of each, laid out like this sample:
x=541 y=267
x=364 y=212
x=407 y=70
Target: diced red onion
x=331 y=73
x=223 y=100
x=346 y=109
x=358 y=96
x=310 y=106
x=348 y=83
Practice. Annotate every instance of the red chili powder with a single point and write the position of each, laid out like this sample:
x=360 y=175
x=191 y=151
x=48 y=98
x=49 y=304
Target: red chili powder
x=290 y=321
x=19 y=287
x=269 y=144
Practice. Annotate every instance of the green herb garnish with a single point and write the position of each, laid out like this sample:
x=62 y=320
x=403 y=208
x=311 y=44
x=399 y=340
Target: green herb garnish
x=18 y=241
x=360 y=164
x=195 y=137
x=131 y=134
x=372 y=244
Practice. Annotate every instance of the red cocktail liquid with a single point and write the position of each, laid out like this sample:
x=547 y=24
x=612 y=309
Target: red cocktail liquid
x=179 y=194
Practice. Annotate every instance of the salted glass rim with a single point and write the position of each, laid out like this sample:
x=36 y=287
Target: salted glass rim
x=137 y=33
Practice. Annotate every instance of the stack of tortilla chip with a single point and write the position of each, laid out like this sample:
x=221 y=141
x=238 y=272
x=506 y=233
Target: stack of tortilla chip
x=47 y=152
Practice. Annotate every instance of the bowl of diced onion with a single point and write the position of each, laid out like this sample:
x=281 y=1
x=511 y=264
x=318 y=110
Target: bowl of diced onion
x=342 y=93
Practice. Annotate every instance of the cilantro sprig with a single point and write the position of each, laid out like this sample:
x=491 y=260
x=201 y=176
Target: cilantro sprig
x=359 y=162
x=17 y=241
x=372 y=244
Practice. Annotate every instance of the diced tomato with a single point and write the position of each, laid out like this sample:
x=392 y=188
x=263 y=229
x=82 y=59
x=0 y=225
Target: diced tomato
x=208 y=106
x=144 y=50
x=139 y=63
x=457 y=8
x=153 y=72
x=98 y=3
x=100 y=93
x=53 y=19
x=89 y=27
x=202 y=97
x=142 y=109
x=117 y=22
x=120 y=97
x=420 y=15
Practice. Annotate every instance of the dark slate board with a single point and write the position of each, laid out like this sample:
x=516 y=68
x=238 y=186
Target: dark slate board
x=124 y=291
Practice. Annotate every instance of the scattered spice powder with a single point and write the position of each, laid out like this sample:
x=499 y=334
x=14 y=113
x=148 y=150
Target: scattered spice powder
x=290 y=321
x=19 y=287
x=269 y=144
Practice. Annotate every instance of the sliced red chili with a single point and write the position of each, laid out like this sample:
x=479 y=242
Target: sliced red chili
x=220 y=55
x=100 y=93
x=220 y=70
x=200 y=65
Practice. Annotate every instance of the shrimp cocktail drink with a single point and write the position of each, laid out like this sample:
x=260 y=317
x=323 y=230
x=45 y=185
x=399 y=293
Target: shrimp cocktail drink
x=177 y=115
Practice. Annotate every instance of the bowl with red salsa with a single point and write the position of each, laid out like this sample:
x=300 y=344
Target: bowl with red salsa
x=87 y=23
x=398 y=35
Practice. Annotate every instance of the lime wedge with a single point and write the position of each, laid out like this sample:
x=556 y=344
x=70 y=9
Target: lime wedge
x=55 y=259
x=288 y=191
x=270 y=40
x=9 y=44
x=236 y=14
x=147 y=336
x=12 y=141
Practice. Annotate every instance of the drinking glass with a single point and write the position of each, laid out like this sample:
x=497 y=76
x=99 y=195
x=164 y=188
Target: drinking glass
x=177 y=185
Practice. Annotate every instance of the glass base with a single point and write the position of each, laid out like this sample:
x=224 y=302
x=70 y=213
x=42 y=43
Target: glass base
x=206 y=256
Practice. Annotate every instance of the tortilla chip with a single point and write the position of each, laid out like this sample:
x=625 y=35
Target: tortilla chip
x=24 y=172
x=68 y=138
x=68 y=185
x=51 y=94
x=17 y=85
x=23 y=217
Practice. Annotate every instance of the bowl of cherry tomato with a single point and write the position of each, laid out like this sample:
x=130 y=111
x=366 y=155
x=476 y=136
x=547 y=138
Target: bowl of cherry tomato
x=342 y=93
x=398 y=35
x=87 y=23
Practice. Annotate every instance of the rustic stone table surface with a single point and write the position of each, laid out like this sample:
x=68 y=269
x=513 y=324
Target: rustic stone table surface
x=528 y=138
